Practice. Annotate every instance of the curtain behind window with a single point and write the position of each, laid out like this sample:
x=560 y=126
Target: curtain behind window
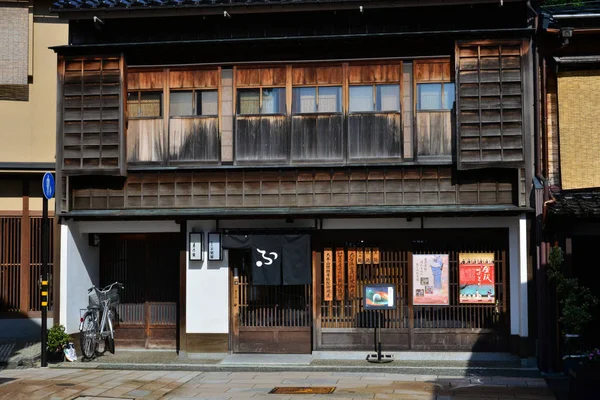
x=14 y=47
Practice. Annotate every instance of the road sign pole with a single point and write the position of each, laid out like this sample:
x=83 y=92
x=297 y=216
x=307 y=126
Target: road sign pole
x=44 y=287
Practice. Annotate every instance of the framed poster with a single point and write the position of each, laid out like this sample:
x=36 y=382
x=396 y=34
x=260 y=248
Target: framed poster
x=214 y=247
x=430 y=279
x=196 y=246
x=351 y=273
x=381 y=296
x=339 y=274
x=476 y=278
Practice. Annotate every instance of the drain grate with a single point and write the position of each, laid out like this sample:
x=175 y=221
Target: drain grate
x=303 y=390
x=65 y=384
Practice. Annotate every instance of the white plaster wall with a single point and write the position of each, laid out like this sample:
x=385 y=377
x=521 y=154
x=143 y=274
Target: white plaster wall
x=23 y=328
x=79 y=264
x=207 y=294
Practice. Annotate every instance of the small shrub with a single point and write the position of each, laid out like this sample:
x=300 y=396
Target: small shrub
x=57 y=338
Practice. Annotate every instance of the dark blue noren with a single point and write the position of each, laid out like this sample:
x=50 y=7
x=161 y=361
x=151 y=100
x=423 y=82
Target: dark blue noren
x=48 y=185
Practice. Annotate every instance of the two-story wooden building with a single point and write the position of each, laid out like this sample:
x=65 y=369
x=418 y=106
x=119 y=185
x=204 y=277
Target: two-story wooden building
x=568 y=163
x=247 y=167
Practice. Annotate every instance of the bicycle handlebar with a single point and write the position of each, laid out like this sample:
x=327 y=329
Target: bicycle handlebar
x=107 y=288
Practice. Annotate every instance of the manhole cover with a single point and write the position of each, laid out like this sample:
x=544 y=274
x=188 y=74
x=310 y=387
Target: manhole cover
x=65 y=384
x=101 y=397
x=303 y=390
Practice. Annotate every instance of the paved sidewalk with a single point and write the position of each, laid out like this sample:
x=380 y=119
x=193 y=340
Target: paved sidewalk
x=106 y=384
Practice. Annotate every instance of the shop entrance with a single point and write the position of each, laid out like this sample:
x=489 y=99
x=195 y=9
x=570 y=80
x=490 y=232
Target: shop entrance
x=148 y=266
x=267 y=318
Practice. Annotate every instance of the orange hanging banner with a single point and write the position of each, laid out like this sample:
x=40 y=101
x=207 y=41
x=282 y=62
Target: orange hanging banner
x=375 y=256
x=351 y=273
x=368 y=255
x=339 y=274
x=359 y=256
x=328 y=275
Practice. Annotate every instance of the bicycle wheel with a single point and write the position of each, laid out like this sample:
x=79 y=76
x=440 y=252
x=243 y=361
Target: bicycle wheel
x=88 y=336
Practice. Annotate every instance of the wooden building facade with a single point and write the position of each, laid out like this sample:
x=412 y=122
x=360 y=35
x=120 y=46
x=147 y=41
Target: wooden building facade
x=385 y=127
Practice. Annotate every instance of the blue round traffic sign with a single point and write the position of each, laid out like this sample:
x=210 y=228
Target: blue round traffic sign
x=48 y=185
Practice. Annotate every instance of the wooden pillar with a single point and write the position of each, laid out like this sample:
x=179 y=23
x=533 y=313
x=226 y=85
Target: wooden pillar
x=182 y=351
x=25 y=267
x=411 y=308
x=316 y=300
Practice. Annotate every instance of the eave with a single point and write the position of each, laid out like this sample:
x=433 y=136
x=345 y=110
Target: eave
x=157 y=8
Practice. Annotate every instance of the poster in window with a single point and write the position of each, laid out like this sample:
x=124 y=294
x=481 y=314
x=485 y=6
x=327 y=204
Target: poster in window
x=476 y=278
x=328 y=274
x=351 y=273
x=339 y=274
x=430 y=279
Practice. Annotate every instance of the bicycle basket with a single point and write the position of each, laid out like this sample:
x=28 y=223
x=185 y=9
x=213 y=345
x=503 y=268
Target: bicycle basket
x=113 y=296
x=94 y=298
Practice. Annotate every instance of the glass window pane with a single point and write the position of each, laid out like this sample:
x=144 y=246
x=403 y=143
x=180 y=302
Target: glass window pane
x=304 y=100
x=273 y=101
x=133 y=104
x=150 y=104
x=429 y=96
x=449 y=96
x=388 y=97
x=207 y=102
x=330 y=99
x=248 y=101
x=361 y=98
x=181 y=104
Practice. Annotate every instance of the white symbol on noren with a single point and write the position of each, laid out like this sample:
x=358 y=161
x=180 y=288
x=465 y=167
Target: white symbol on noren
x=268 y=260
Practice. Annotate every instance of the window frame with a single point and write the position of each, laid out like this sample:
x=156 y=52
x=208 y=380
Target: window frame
x=260 y=89
x=442 y=97
x=339 y=100
x=139 y=104
x=374 y=87
x=194 y=92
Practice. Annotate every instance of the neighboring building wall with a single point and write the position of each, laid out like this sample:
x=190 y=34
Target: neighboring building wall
x=552 y=129
x=28 y=130
x=80 y=268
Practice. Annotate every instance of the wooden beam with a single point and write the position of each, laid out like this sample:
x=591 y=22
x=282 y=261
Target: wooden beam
x=24 y=305
x=316 y=296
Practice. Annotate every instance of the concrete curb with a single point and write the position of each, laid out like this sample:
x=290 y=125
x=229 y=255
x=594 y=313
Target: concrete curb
x=367 y=368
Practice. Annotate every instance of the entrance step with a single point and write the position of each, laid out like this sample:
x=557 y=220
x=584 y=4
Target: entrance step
x=267 y=359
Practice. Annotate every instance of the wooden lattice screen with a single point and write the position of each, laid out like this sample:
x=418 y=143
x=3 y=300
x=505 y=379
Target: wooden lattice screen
x=10 y=264
x=91 y=105
x=489 y=104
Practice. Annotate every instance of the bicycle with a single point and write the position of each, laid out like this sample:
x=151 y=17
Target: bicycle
x=97 y=321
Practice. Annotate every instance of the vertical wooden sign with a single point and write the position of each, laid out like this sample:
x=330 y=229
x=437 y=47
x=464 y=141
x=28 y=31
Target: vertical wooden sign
x=351 y=273
x=328 y=272
x=375 y=256
x=367 y=255
x=359 y=256
x=339 y=274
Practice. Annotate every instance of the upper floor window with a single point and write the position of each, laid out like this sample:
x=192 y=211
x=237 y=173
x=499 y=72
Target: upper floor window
x=142 y=104
x=322 y=99
x=378 y=98
x=193 y=103
x=435 y=96
x=261 y=101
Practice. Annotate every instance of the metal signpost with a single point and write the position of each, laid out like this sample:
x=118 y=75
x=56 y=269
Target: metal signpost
x=48 y=190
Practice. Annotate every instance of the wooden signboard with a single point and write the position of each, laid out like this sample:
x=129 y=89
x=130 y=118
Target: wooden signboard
x=359 y=256
x=368 y=255
x=375 y=256
x=339 y=274
x=328 y=272
x=351 y=273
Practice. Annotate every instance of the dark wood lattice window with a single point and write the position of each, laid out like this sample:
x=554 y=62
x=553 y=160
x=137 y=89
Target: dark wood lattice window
x=91 y=104
x=490 y=104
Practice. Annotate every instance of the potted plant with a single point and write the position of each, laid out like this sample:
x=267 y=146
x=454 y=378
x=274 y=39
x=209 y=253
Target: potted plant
x=583 y=381
x=577 y=304
x=58 y=340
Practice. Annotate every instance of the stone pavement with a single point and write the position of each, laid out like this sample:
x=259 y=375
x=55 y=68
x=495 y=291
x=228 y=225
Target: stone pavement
x=88 y=384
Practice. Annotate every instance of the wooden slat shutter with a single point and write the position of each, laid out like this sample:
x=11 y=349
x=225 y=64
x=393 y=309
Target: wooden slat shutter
x=489 y=104
x=91 y=104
